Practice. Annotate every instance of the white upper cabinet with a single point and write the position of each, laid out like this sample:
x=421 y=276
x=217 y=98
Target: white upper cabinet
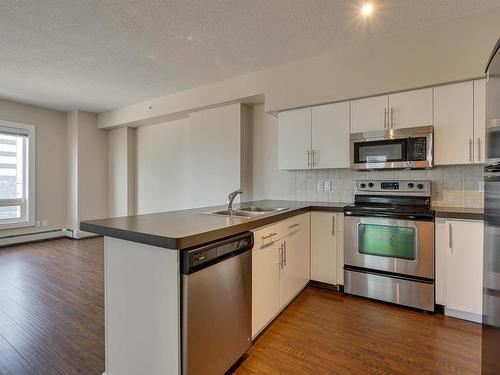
x=454 y=124
x=370 y=114
x=401 y=110
x=479 y=120
x=316 y=137
x=410 y=109
x=294 y=144
x=330 y=135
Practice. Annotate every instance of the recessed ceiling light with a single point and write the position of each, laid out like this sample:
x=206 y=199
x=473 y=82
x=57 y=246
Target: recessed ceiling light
x=367 y=9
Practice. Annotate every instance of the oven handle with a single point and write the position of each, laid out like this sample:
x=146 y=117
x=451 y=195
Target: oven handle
x=391 y=216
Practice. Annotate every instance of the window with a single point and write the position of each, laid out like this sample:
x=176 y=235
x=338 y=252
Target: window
x=17 y=172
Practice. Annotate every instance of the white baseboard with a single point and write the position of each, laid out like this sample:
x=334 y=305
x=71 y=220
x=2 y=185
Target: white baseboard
x=32 y=237
x=79 y=234
x=476 y=318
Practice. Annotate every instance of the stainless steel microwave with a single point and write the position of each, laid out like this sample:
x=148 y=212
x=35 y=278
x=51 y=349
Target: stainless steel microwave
x=409 y=148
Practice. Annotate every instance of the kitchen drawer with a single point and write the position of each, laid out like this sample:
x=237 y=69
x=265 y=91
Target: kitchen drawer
x=267 y=235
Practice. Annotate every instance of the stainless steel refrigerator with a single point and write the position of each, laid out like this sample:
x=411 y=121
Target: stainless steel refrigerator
x=491 y=272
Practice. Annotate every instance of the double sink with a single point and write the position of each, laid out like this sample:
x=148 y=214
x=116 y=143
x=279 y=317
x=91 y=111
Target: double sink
x=248 y=211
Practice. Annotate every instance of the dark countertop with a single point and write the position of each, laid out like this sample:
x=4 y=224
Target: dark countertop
x=459 y=213
x=187 y=228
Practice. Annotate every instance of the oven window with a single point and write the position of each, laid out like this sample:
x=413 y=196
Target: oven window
x=387 y=241
x=380 y=151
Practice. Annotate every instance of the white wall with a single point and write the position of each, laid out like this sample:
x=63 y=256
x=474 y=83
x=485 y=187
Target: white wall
x=267 y=179
x=192 y=162
x=92 y=168
x=121 y=172
x=50 y=162
x=87 y=169
x=450 y=51
x=161 y=169
x=214 y=155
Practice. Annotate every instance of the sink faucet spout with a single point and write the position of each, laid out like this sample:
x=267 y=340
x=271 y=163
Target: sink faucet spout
x=231 y=197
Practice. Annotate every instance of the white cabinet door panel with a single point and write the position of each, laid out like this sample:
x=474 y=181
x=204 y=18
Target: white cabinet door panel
x=265 y=286
x=324 y=247
x=442 y=248
x=294 y=139
x=453 y=123
x=369 y=114
x=464 y=266
x=411 y=108
x=296 y=258
x=479 y=120
x=330 y=135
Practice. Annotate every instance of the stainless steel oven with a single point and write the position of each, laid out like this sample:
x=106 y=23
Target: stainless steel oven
x=394 y=148
x=389 y=243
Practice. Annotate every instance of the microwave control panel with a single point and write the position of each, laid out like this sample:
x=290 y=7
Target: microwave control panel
x=417 y=149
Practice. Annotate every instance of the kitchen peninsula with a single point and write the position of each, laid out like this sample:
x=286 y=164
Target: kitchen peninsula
x=143 y=277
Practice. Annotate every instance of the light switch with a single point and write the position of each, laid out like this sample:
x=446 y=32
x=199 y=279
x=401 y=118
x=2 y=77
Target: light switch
x=481 y=186
x=320 y=185
x=327 y=185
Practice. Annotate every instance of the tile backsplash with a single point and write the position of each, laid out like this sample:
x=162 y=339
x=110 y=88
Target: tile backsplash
x=452 y=186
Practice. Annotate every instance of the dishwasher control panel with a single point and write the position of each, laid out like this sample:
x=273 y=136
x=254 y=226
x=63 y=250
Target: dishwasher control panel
x=204 y=256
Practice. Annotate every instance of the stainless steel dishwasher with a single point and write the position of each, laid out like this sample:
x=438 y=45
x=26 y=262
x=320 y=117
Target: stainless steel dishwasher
x=216 y=305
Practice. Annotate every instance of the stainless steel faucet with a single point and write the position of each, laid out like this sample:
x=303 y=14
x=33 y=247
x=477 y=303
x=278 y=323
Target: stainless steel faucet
x=230 y=198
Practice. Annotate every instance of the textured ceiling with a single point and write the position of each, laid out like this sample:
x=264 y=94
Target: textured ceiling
x=98 y=55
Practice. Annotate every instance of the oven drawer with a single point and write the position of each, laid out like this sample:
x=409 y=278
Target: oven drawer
x=401 y=291
x=404 y=247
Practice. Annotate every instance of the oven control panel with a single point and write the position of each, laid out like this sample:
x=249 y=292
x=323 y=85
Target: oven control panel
x=394 y=187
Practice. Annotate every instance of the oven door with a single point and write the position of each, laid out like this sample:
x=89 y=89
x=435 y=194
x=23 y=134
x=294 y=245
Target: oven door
x=403 y=247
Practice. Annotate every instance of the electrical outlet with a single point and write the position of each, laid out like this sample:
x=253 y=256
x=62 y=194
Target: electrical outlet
x=320 y=186
x=327 y=185
x=481 y=186
x=44 y=222
x=37 y=224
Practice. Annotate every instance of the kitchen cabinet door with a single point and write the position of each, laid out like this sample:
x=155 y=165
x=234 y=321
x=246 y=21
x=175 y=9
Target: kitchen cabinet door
x=369 y=114
x=410 y=109
x=454 y=123
x=330 y=135
x=442 y=248
x=294 y=139
x=464 y=269
x=479 y=120
x=265 y=286
x=324 y=248
x=295 y=272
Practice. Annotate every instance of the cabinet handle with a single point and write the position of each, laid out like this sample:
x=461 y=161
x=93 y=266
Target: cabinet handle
x=293 y=226
x=392 y=118
x=268 y=236
x=313 y=163
x=470 y=149
x=281 y=256
x=284 y=253
x=450 y=237
x=308 y=158
x=479 y=149
x=333 y=225
x=386 y=111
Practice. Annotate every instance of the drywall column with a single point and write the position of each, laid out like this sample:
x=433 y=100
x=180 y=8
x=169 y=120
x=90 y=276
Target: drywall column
x=121 y=166
x=87 y=170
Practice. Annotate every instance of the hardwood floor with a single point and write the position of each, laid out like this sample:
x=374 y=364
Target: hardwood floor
x=52 y=308
x=325 y=332
x=52 y=313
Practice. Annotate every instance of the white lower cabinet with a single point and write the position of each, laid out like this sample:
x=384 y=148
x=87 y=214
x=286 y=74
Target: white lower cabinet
x=459 y=268
x=327 y=256
x=280 y=267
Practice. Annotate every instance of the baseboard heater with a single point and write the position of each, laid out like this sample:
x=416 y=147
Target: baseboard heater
x=15 y=239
